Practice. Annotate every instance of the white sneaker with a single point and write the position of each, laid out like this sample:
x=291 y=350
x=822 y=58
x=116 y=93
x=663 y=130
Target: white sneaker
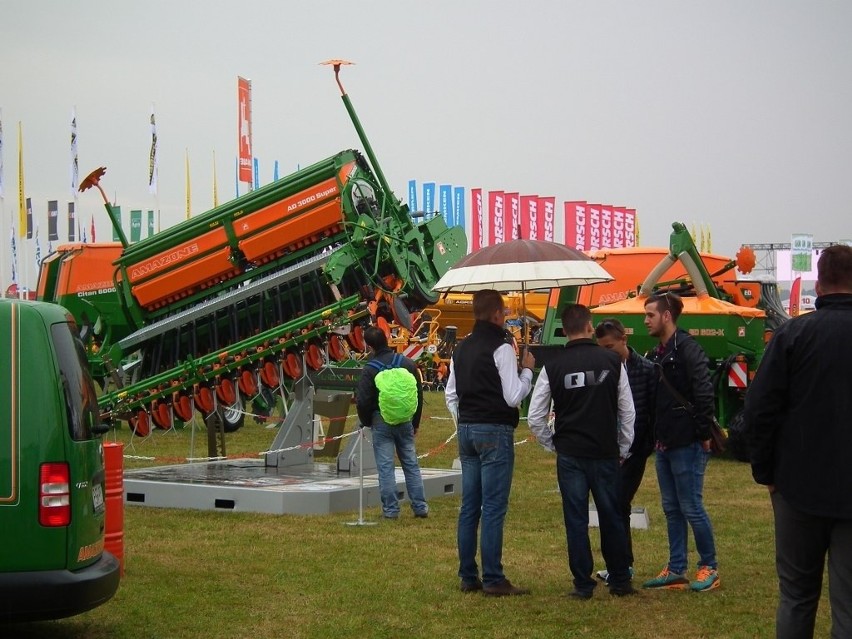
x=603 y=575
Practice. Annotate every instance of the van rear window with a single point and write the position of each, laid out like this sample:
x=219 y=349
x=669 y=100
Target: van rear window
x=81 y=400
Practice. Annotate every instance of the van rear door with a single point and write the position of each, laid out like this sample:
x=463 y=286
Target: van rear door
x=83 y=448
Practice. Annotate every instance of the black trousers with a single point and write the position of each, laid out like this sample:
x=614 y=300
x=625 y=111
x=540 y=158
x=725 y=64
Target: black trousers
x=631 y=473
x=802 y=542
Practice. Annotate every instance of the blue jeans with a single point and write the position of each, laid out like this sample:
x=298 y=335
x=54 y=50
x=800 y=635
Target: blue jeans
x=386 y=439
x=487 y=454
x=577 y=476
x=680 y=472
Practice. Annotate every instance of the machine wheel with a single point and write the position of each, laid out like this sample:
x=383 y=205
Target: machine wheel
x=233 y=415
x=737 y=443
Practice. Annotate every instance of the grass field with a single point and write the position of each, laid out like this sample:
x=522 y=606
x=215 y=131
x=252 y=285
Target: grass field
x=214 y=574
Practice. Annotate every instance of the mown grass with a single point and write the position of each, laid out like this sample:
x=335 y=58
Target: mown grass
x=214 y=574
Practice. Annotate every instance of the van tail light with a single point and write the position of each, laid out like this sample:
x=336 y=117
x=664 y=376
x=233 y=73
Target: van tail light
x=54 y=495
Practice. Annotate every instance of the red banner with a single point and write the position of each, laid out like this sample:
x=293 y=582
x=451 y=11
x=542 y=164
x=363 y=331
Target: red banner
x=512 y=216
x=606 y=226
x=593 y=227
x=496 y=217
x=530 y=227
x=575 y=225
x=795 y=297
x=618 y=214
x=244 y=129
x=630 y=227
x=547 y=213
x=477 y=221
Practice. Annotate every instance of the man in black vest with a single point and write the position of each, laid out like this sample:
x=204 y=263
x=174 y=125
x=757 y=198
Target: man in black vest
x=483 y=393
x=592 y=436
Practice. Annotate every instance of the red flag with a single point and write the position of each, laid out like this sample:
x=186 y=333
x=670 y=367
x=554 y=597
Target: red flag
x=593 y=228
x=630 y=227
x=795 y=297
x=496 y=204
x=606 y=226
x=575 y=225
x=244 y=129
x=93 y=229
x=512 y=216
x=478 y=221
x=618 y=213
x=547 y=210
x=530 y=228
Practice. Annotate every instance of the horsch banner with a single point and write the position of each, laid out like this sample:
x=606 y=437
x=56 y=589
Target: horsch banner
x=512 y=215
x=547 y=210
x=477 y=213
x=530 y=228
x=496 y=217
x=575 y=225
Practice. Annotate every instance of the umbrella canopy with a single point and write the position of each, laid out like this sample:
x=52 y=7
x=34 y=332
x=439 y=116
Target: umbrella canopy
x=522 y=265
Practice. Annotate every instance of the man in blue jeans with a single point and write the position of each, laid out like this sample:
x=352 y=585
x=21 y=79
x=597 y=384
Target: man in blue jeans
x=684 y=415
x=386 y=438
x=484 y=390
x=593 y=431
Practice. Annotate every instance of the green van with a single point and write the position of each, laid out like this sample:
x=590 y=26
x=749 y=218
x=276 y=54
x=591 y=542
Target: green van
x=52 y=558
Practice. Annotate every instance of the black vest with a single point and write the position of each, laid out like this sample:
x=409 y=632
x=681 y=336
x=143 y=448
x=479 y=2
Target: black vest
x=478 y=383
x=584 y=381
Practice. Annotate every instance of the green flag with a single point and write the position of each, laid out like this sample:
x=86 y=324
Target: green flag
x=117 y=211
x=135 y=226
x=150 y=223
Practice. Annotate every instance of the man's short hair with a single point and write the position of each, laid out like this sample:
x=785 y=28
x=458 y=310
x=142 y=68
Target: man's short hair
x=375 y=338
x=575 y=319
x=486 y=302
x=610 y=327
x=667 y=301
x=834 y=269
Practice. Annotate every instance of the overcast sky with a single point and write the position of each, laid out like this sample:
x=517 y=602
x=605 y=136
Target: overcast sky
x=732 y=113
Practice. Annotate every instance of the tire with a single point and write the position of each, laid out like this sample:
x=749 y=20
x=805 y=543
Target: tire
x=233 y=416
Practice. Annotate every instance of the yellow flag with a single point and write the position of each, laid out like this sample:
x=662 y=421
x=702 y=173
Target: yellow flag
x=188 y=197
x=22 y=207
x=215 y=187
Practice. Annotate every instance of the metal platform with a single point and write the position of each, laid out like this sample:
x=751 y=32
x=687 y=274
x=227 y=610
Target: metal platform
x=248 y=485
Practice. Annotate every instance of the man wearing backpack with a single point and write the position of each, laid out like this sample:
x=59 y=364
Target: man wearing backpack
x=385 y=393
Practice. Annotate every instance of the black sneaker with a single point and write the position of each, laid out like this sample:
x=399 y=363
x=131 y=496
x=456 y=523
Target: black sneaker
x=623 y=591
x=504 y=589
x=470 y=586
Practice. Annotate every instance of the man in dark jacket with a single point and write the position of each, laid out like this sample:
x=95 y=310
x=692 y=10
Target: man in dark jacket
x=483 y=393
x=387 y=438
x=799 y=424
x=611 y=334
x=592 y=435
x=684 y=413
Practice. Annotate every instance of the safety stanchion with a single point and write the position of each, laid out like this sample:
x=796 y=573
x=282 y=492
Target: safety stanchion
x=361 y=521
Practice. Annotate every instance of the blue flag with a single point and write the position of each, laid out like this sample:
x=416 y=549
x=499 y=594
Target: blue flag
x=412 y=195
x=428 y=199
x=445 y=204
x=458 y=207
